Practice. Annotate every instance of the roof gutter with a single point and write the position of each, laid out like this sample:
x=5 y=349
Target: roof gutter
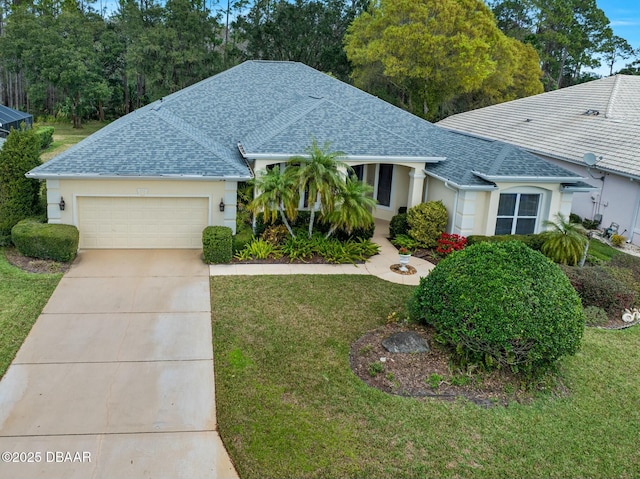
x=578 y=188
x=359 y=158
x=455 y=206
x=92 y=176
x=461 y=187
x=528 y=179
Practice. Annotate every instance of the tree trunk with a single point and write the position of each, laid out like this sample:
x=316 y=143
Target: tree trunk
x=286 y=222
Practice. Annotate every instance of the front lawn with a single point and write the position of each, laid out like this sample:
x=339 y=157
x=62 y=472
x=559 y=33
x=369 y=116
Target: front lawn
x=288 y=404
x=22 y=298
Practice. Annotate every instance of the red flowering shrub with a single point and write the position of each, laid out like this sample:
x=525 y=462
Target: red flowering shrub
x=449 y=243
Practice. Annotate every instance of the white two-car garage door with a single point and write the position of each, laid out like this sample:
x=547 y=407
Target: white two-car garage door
x=141 y=222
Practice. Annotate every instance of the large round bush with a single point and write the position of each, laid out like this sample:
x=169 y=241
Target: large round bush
x=502 y=304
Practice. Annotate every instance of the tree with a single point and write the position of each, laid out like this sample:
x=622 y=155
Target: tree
x=278 y=193
x=308 y=31
x=568 y=35
x=615 y=48
x=19 y=196
x=352 y=207
x=565 y=242
x=421 y=54
x=318 y=174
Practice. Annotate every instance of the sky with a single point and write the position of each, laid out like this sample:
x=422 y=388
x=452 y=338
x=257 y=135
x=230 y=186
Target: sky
x=624 y=16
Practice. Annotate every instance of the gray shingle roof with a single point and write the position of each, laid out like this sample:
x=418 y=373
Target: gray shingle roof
x=277 y=108
x=601 y=116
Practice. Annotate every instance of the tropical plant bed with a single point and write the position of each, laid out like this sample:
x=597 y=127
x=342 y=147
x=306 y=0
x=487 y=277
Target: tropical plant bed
x=316 y=259
x=35 y=265
x=430 y=374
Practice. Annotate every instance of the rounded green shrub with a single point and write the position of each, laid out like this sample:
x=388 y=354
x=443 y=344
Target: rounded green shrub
x=46 y=241
x=399 y=225
x=501 y=304
x=427 y=221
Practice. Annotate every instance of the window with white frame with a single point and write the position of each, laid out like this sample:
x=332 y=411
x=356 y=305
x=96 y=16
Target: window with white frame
x=518 y=213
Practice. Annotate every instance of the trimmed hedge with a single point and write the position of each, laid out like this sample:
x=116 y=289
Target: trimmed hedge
x=46 y=241
x=45 y=136
x=501 y=304
x=217 y=244
x=533 y=241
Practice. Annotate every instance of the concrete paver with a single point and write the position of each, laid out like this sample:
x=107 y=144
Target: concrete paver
x=118 y=366
x=89 y=338
x=198 y=455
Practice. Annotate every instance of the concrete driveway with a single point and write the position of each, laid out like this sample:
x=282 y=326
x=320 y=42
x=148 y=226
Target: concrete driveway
x=116 y=377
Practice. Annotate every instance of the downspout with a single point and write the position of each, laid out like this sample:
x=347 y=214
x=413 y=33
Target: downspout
x=632 y=229
x=455 y=206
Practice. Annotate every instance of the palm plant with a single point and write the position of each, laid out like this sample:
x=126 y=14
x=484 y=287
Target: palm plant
x=318 y=172
x=352 y=207
x=279 y=194
x=565 y=242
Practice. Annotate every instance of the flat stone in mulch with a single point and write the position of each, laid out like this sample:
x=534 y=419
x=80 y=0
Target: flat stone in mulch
x=430 y=374
x=396 y=269
x=405 y=342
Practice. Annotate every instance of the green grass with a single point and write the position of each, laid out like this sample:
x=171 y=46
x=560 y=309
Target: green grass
x=602 y=251
x=65 y=136
x=22 y=298
x=288 y=404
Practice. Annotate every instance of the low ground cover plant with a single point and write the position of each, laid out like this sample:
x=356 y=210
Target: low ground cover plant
x=301 y=248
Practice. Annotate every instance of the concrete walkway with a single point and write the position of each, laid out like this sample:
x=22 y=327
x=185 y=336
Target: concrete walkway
x=115 y=380
x=378 y=265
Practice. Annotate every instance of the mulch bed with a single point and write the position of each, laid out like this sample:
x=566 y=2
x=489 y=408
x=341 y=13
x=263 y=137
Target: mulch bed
x=34 y=265
x=430 y=374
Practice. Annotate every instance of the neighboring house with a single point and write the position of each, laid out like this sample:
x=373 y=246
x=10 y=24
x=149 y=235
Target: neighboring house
x=601 y=118
x=156 y=177
x=10 y=118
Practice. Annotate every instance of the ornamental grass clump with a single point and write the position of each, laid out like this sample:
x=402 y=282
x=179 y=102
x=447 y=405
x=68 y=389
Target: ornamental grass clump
x=501 y=304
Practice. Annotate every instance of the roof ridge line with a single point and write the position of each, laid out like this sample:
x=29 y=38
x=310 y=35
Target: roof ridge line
x=216 y=148
x=612 y=97
x=303 y=109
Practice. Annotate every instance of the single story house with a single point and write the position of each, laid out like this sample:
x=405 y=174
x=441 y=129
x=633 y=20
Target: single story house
x=10 y=118
x=157 y=176
x=598 y=120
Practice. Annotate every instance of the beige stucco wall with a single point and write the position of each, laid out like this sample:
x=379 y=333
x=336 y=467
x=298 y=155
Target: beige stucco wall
x=214 y=191
x=475 y=212
x=436 y=190
x=553 y=201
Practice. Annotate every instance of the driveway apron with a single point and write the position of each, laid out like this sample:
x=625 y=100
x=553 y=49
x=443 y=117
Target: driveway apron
x=116 y=377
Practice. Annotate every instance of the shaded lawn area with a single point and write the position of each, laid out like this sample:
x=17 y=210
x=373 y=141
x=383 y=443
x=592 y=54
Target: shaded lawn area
x=65 y=136
x=288 y=404
x=22 y=298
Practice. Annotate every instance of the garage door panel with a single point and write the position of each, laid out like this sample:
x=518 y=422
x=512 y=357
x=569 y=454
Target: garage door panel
x=142 y=222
